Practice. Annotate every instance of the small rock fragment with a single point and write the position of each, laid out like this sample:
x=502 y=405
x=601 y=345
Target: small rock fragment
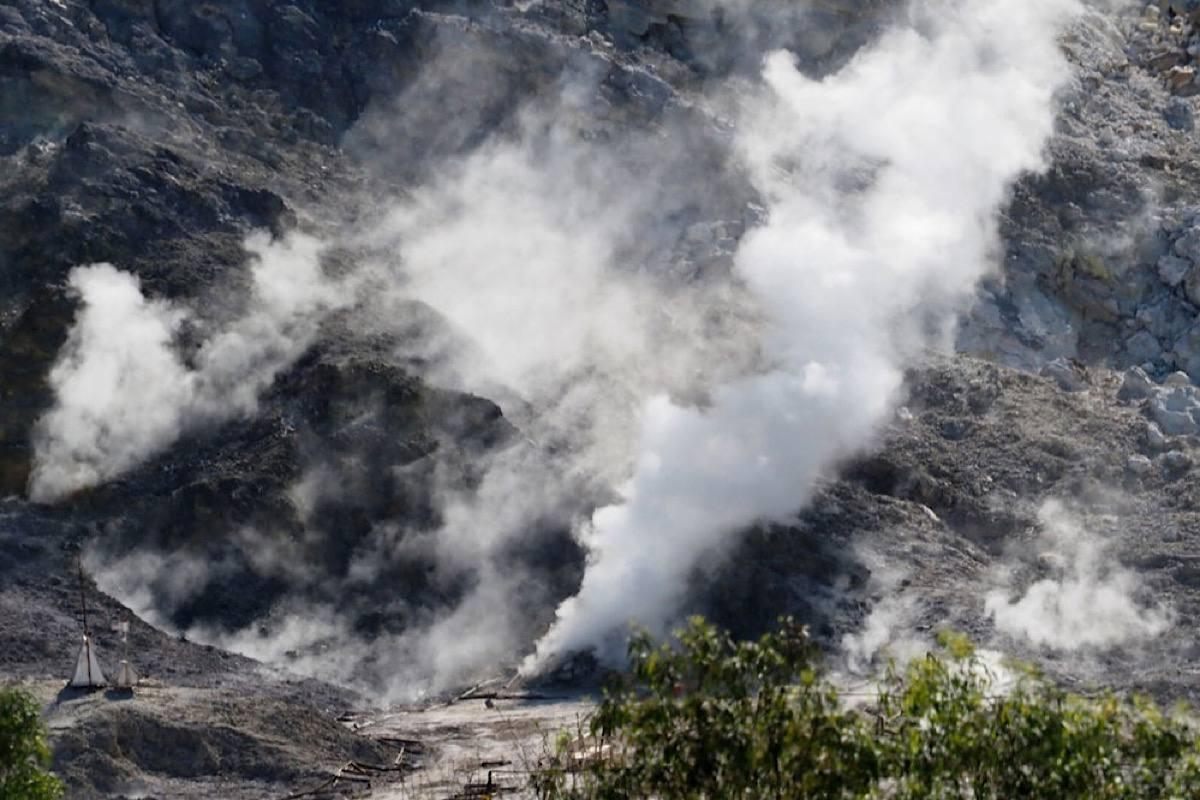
x=1164 y=61
x=1051 y=563
x=1138 y=465
x=246 y=69
x=1065 y=375
x=1156 y=441
x=1182 y=81
x=1184 y=9
x=1177 y=461
x=1179 y=116
x=955 y=429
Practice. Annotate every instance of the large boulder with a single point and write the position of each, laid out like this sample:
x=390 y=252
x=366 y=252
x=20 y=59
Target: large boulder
x=202 y=29
x=1143 y=347
x=1176 y=411
x=1066 y=375
x=1173 y=269
x=1186 y=352
x=1136 y=385
x=1191 y=285
x=1187 y=246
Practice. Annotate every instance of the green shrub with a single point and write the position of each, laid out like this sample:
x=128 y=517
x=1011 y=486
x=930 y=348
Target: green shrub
x=708 y=717
x=24 y=755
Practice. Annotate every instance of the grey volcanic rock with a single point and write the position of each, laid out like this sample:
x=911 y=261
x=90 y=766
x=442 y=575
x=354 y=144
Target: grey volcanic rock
x=1066 y=375
x=1139 y=464
x=1173 y=269
x=1136 y=385
x=924 y=525
x=1100 y=252
x=1156 y=440
x=204 y=723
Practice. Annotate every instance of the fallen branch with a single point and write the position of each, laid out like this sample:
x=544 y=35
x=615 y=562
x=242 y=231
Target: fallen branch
x=410 y=744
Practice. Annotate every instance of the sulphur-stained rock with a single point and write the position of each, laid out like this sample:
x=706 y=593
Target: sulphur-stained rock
x=1182 y=81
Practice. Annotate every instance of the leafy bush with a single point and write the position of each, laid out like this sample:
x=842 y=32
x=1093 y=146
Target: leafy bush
x=24 y=755
x=708 y=717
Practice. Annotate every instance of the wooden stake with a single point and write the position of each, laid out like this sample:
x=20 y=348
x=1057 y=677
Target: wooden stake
x=82 y=595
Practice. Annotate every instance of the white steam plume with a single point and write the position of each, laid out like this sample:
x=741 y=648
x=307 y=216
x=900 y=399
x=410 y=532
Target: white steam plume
x=883 y=183
x=122 y=391
x=889 y=630
x=519 y=248
x=118 y=396
x=1090 y=602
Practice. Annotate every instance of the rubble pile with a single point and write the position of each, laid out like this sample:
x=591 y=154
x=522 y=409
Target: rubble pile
x=1173 y=27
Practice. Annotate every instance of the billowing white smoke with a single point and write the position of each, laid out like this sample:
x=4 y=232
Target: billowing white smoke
x=518 y=248
x=1088 y=601
x=883 y=184
x=514 y=248
x=119 y=385
x=122 y=391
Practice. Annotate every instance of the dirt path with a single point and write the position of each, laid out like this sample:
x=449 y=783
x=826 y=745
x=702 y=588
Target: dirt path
x=465 y=742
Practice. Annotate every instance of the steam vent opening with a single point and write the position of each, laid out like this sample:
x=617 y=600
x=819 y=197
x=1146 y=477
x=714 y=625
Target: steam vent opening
x=428 y=398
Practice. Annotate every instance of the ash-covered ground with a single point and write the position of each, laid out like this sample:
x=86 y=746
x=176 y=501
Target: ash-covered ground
x=324 y=472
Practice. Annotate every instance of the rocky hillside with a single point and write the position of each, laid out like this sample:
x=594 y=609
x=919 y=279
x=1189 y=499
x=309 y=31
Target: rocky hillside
x=1049 y=460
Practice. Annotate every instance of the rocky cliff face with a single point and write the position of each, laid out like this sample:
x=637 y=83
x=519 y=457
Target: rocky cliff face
x=157 y=134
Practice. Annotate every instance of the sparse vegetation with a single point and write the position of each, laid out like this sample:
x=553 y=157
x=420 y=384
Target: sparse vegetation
x=24 y=755
x=708 y=717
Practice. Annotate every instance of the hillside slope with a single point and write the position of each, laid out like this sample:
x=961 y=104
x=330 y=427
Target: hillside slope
x=1032 y=491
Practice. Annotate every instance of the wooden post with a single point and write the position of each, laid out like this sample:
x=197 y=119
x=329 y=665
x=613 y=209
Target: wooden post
x=82 y=595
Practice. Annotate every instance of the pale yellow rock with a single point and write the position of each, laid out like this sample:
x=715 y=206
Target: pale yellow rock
x=1179 y=77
